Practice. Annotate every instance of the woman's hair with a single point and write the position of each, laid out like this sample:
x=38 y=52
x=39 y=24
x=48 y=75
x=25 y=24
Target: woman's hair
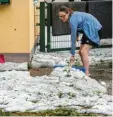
x=65 y=9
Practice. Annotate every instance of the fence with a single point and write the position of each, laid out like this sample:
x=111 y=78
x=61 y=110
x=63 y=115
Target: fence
x=48 y=42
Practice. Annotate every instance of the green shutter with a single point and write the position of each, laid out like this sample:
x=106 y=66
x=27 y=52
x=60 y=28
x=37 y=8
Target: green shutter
x=4 y=1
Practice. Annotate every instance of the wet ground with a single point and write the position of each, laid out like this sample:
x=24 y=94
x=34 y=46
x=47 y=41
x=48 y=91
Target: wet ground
x=40 y=71
x=103 y=75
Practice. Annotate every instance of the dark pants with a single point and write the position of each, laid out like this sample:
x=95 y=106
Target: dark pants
x=86 y=40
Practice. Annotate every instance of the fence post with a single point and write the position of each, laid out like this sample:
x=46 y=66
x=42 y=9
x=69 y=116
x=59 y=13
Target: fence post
x=42 y=26
x=48 y=26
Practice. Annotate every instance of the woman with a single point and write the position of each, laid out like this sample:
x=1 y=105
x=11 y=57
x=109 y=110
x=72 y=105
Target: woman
x=88 y=25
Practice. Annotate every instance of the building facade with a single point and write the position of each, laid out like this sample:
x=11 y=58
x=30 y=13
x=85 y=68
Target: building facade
x=17 y=30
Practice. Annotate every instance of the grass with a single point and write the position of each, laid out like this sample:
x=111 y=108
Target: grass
x=56 y=112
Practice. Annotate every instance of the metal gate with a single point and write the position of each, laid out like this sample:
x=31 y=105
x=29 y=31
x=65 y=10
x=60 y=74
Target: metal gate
x=48 y=42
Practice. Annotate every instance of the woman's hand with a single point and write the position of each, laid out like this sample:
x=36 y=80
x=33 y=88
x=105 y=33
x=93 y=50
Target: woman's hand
x=78 y=38
x=72 y=60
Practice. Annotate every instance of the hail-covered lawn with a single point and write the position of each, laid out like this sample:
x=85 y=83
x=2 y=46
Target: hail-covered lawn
x=21 y=92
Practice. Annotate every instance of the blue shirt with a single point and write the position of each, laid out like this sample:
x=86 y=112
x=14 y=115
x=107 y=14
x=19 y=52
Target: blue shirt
x=81 y=21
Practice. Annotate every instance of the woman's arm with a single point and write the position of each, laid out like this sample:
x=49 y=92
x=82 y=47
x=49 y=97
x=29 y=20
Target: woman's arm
x=73 y=37
x=73 y=26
